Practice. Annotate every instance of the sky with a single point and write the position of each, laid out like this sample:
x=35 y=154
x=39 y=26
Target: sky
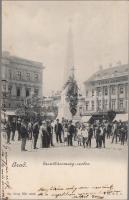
x=38 y=30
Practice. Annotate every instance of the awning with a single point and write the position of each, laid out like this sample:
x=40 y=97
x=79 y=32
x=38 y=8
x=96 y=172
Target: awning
x=4 y=115
x=86 y=118
x=10 y=112
x=121 y=117
x=50 y=114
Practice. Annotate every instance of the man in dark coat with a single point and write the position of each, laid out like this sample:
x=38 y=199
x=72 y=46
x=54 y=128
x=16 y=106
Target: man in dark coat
x=126 y=131
x=24 y=135
x=71 y=130
x=97 y=136
x=90 y=135
x=115 y=132
x=8 y=131
x=18 y=129
x=58 y=131
x=109 y=130
x=123 y=134
x=13 y=127
x=50 y=134
x=103 y=135
x=35 y=133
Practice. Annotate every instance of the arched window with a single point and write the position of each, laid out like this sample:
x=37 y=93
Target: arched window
x=27 y=92
x=18 y=92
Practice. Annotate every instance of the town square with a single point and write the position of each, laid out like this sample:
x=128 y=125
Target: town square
x=64 y=99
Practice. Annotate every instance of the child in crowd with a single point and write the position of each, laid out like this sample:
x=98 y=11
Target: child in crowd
x=65 y=136
x=79 y=136
x=84 y=133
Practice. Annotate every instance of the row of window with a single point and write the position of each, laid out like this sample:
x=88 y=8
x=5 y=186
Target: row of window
x=27 y=91
x=19 y=76
x=112 y=80
x=103 y=105
x=92 y=105
x=105 y=91
x=113 y=90
x=92 y=93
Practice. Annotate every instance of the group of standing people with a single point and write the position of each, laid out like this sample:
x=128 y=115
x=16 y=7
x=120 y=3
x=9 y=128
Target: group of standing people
x=11 y=127
x=65 y=132
x=114 y=130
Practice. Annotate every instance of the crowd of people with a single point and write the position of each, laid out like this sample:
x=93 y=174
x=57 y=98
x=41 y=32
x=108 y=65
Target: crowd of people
x=65 y=132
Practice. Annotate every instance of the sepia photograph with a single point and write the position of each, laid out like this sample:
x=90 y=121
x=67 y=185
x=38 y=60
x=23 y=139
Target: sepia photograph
x=64 y=100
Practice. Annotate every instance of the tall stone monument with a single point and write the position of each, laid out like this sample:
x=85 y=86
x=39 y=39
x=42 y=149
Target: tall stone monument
x=63 y=110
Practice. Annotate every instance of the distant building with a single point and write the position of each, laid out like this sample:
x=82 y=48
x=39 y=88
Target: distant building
x=56 y=98
x=107 y=89
x=52 y=101
x=20 y=78
x=47 y=102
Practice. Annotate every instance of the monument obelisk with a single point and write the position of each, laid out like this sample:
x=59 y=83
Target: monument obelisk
x=69 y=67
x=63 y=110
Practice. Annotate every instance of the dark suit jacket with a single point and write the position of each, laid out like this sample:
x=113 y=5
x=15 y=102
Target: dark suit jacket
x=90 y=133
x=49 y=129
x=71 y=129
x=23 y=131
x=58 y=128
x=35 y=130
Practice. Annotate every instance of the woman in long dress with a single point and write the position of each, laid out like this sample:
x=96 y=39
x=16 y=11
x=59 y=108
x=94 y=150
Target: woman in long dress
x=44 y=135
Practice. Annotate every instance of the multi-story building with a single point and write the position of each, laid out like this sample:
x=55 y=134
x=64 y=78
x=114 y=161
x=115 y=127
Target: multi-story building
x=21 y=78
x=107 y=89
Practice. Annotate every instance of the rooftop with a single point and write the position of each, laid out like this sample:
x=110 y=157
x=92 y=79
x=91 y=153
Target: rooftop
x=22 y=61
x=111 y=72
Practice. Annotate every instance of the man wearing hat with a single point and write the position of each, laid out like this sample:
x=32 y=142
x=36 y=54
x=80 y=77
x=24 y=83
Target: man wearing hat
x=58 y=131
x=8 y=131
x=97 y=136
x=50 y=135
x=13 y=126
x=90 y=135
x=24 y=135
x=18 y=128
x=115 y=131
x=35 y=133
x=71 y=131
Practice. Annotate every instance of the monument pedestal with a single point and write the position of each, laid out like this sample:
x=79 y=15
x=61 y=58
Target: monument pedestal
x=63 y=110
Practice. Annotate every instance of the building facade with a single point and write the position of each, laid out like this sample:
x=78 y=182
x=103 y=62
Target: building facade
x=21 y=78
x=107 y=90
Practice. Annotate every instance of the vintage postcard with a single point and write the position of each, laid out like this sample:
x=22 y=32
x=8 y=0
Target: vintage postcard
x=64 y=100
